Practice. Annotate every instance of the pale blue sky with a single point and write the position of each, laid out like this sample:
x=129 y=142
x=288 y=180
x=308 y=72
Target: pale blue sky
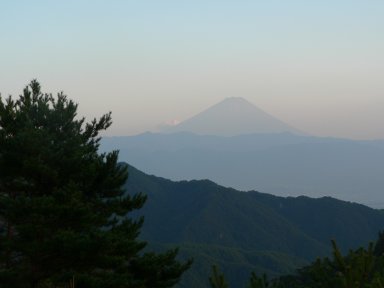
x=318 y=65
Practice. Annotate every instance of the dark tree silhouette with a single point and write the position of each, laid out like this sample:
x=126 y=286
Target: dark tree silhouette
x=63 y=212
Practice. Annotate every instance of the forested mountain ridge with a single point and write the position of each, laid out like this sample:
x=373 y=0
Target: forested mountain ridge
x=244 y=232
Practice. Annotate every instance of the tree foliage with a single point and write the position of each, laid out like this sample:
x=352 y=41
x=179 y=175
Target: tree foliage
x=259 y=282
x=360 y=268
x=217 y=280
x=62 y=206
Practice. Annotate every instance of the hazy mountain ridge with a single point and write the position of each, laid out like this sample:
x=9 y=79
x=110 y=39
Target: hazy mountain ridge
x=282 y=163
x=247 y=231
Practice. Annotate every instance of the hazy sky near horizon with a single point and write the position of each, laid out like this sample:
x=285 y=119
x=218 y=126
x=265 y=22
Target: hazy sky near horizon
x=317 y=65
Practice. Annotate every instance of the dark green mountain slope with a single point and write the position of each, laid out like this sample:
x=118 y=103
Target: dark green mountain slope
x=243 y=232
x=350 y=224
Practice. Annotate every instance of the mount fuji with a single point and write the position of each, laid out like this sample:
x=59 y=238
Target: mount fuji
x=231 y=117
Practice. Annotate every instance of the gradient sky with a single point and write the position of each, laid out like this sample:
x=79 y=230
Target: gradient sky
x=317 y=65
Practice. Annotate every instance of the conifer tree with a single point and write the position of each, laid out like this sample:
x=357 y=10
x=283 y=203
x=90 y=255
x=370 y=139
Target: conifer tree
x=260 y=282
x=63 y=212
x=360 y=268
x=379 y=246
x=217 y=279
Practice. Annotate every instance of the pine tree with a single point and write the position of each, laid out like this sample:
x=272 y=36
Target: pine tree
x=379 y=246
x=360 y=268
x=260 y=282
x=63 y=212
x=217 y=279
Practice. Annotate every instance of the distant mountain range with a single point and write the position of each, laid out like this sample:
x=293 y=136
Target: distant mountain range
x=238 y=145
x=232 y=116
x=280 y=163
x=244 y=232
